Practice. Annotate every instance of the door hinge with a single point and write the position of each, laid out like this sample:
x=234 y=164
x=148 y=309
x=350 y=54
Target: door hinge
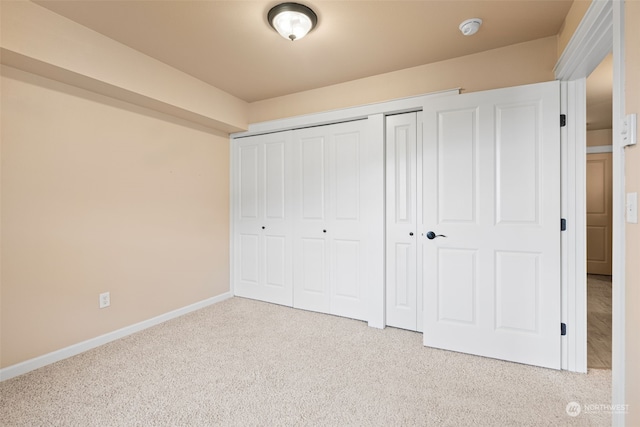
x=563 y=224
x=563 y=329
x=563 y=120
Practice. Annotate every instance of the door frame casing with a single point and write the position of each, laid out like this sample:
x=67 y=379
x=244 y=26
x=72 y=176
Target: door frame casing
x=573 y=240
x=600 y=32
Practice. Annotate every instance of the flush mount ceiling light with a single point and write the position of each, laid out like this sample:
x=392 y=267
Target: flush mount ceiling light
x=292 y=20
x=470 y=26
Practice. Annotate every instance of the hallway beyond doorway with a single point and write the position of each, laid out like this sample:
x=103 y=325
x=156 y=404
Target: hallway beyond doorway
x=598 y=321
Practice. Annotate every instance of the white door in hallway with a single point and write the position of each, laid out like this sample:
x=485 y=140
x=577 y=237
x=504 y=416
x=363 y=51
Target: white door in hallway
x=599 y=213
x=491 y=185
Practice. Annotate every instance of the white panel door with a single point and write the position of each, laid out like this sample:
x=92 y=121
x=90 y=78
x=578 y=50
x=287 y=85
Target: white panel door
x=599 y=213
x=491 y=185
x=331 y=219
x=311 y=269
x=262 y=223
x=401 y=222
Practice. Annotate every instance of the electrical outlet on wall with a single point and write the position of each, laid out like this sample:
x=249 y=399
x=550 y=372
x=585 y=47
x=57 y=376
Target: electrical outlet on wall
x=105 y=300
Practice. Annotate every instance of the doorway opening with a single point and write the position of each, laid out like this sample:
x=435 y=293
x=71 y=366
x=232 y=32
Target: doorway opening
x=599 y=221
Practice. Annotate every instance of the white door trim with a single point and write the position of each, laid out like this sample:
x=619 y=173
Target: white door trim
x=377 y=314
x=573 y=242
x=618 y=247
x=596 y=149
x=600 y=31
x=590 y=43
x=395 y=106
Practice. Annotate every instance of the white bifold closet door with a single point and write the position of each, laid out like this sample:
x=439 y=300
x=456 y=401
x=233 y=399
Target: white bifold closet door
x=403 y=299
x=332 y=219
x=262 y=218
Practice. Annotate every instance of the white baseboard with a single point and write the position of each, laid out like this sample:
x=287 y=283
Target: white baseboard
x=55 y=356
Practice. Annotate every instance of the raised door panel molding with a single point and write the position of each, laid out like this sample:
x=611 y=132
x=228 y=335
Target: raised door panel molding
x=457 y=168
x=248 y=182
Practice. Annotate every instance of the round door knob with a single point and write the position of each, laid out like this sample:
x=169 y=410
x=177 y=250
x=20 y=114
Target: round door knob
x=324 y=231
x=410 y=234
x=263 y=227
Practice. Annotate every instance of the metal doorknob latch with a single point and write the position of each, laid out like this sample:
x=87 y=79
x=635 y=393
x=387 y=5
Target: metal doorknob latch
x=431 y=235
x=410 y=234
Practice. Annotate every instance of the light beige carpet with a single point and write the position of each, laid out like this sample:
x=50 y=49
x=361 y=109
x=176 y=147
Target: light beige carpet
x=245 y=363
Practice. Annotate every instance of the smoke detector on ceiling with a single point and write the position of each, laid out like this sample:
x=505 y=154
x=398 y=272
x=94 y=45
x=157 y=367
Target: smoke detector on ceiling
x=470 y=26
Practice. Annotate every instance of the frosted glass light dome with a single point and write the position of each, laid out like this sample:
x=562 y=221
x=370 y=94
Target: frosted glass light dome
x=292 y=20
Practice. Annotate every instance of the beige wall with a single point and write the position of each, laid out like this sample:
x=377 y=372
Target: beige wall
x=100 y=195
x=599 y=137
x=571 y=22
x=530 y=62
x=37 y=40
x=632 y=168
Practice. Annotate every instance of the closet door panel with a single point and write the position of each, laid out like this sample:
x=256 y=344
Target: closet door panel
x=347 y=293
x=262 y=259
x=311 y=280
x=458 y=180
x=275 y=188
x=401 y=222
x=310 y=288
x=403 y=278
x=277 y=246
x=248 y=185
x=275 y=252
x=313 y=174
x=329 y=231
x=248 y=236
x=347 y=176
x=249 y=260
x=347 y=230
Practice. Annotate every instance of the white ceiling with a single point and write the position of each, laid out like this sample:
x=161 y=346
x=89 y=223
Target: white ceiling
x=230 y=45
